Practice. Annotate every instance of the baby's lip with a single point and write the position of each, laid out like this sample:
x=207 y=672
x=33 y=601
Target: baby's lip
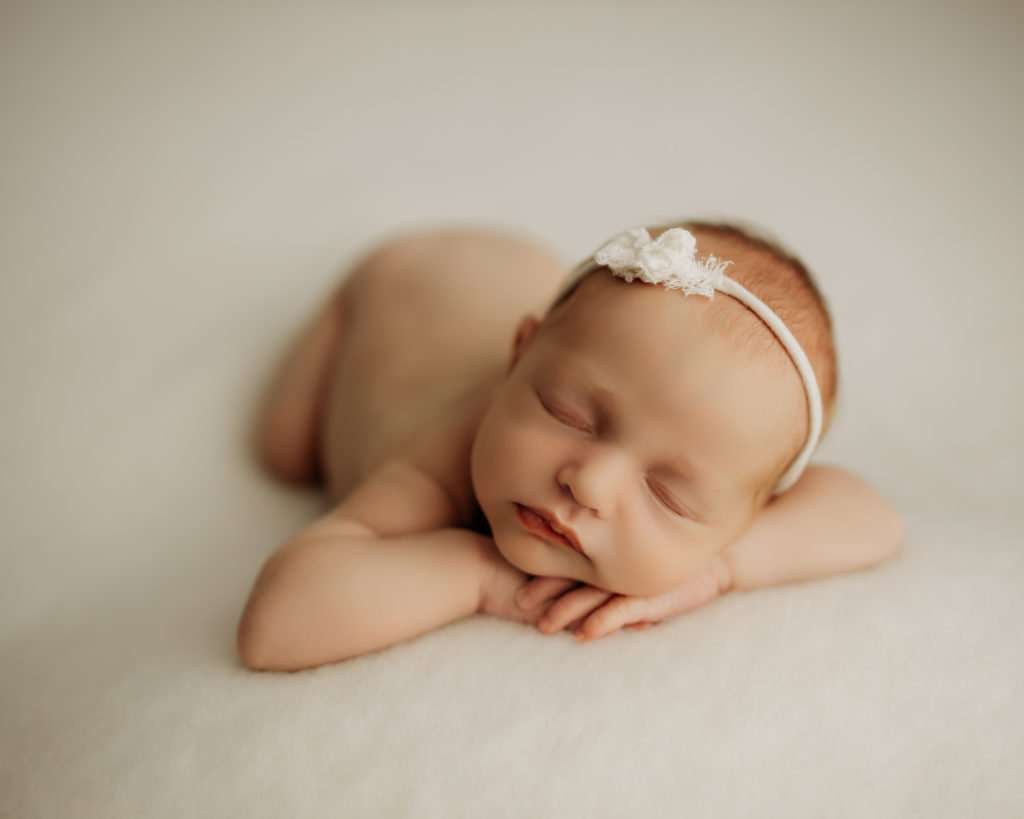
x=562 y=529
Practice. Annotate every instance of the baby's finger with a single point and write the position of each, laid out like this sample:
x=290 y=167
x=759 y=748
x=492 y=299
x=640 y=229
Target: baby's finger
x=572 y=606
x=614 y=615
x=541 y=589
x=586 y=637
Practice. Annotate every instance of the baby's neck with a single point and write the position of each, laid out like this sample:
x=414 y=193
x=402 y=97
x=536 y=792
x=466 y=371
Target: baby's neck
x=479 y=522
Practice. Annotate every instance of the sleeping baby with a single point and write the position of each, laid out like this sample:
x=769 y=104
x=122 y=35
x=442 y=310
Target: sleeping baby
x=594 y=449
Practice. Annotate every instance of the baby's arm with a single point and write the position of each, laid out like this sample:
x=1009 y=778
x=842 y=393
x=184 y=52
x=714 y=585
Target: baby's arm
x=828 y=523
x=382 y=567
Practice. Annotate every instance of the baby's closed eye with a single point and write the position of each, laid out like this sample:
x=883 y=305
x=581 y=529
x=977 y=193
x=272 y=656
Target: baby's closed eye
x=567 y=418
x=559 y=414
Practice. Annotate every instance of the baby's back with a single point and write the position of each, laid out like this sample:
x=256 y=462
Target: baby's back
x=427 y=335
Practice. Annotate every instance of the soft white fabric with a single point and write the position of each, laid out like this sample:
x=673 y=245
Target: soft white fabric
x=183 y=186
x=669 y=261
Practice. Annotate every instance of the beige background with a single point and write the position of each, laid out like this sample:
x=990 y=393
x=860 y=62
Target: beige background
x=181 y=186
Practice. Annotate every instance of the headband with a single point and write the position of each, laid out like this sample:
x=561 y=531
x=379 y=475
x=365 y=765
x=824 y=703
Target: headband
x=671 y=261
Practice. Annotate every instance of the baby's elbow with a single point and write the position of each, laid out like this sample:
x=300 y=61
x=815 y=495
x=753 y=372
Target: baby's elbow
x=254 y=635
x=251 y=641
x=261 y=649
x=889 y=526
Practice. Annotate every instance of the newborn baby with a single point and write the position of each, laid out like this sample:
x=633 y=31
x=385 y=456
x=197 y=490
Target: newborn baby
x=598 y=448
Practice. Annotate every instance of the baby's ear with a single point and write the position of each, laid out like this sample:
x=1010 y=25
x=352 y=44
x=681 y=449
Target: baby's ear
x=525 y=332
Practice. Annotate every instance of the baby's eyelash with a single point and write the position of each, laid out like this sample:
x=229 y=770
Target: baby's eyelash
x=558 y=415
x=670 y=505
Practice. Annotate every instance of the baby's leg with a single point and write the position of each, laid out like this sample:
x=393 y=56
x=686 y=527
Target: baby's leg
x=288 y=429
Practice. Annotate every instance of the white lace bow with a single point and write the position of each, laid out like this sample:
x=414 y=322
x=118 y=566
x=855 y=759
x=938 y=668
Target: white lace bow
x=670 y=260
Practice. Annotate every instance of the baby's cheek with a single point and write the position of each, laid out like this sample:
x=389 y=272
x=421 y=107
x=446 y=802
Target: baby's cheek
x=520 y=437
x=497 y=454
x=653 y=579
x=648 y=564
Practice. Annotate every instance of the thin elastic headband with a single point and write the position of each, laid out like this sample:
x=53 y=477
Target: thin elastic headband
x=671 y=261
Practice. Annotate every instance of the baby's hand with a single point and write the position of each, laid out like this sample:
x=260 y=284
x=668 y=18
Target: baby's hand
x=592 y=612
x=498 y=595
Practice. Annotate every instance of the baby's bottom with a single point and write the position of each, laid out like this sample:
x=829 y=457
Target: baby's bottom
x=424 y=308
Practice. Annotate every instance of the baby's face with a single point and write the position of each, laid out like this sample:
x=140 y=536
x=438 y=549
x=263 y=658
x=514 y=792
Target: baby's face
x=637 y=427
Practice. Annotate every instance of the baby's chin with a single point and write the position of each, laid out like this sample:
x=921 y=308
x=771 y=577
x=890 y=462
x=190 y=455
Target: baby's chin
x=532 y=556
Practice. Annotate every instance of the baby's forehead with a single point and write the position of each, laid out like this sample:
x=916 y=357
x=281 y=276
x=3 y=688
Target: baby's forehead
x=654 y=316
x=639 y=316
x=650 y=379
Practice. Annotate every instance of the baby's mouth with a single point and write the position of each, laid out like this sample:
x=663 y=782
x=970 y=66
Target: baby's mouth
x=536 y=524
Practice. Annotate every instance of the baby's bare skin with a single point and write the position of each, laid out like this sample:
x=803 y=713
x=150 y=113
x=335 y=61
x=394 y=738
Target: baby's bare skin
x=424 y=339
x=407 y=374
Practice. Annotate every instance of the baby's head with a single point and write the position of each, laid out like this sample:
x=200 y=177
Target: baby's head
x=653 y=425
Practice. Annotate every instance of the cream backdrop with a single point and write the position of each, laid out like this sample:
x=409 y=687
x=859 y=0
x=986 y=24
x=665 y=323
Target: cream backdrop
x=183 y=183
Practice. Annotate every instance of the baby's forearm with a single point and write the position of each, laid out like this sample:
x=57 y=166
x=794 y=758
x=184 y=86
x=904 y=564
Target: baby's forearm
x=828 y=523
x=330 y=599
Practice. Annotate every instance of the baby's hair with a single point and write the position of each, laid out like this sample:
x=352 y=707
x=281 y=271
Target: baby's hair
x=762 y=264
x=783 y=282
